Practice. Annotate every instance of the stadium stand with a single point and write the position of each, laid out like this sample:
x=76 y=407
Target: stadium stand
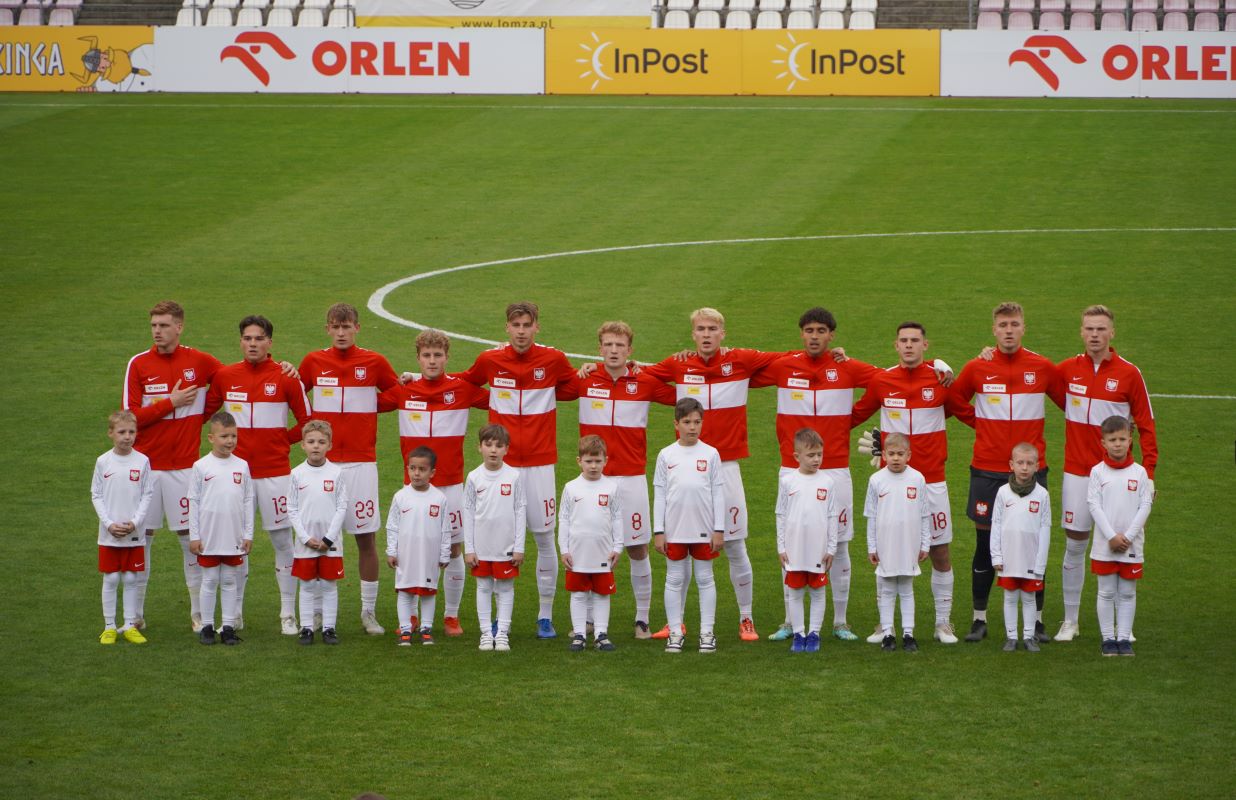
x=1051 y=21
x=310 y=18
x=707 y=20
x=800 y=21
x=280 y=18
x=768 y=20
x=219 y=17
x=738 y=21
x=677 y=19
x=831 y=21
x=793 y=14
x=1081 y=21
x=188 y=18
x=249 y=18
x=1175 y=21
x=1144 y=21
x=772 y=5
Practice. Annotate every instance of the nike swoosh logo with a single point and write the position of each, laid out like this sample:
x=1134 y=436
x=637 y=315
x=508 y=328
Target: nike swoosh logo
x=893 y=394
x=156 y=377
x=748 y=583
x=1006 y=505
x=210 y=478
x=327 y=371
x=991 y=377
x=239 y=386
x=139 y=565
x=883 y=493
x=791 y=494
x=108 y=474
x=480 y=491
x=981 y=571
x=731 y=533
x=300 y=488
x=1104 y=483
x=935 y=536
x=671 y=466
x=795 y=374
x=1076 y=377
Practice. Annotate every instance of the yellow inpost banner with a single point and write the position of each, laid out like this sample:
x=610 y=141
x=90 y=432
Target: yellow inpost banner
x=879 y=62
x=625 y=61
x=85 y=59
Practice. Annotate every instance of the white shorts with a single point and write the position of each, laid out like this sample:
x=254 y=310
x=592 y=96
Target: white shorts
x=360 y=478
x=1074 y=506
x=271 y=496
x=542 y=511
x=454 y=507
x=843 y=487
x=633 y=496
x=735 y=502
x=170 y=500
x=941 y=513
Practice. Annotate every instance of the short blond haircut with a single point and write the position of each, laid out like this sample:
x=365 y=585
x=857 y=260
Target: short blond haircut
x=891 y=439
x=592 y=445
x=521 y=309
x=1099 y=310
x=1026 y=447
x=168 y=307
x=318 y=426
x=707 y=313
x=617 y=329
x=432 y=338
x=1007 y=309
x=342 y=312
x=117 y=417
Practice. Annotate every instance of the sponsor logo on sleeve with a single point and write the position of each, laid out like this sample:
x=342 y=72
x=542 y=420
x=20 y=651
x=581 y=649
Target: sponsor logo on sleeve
x=506 y=489
x=1112 y=384
x=603 y=500
x=135 y=474
x=701 y=465
x=360 y=373
x=236 y=477
x=911 y=492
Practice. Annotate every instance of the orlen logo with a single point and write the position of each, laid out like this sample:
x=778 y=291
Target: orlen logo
x=1036 y=59
x=644 y=61
x=256 y=40
x=839 y=63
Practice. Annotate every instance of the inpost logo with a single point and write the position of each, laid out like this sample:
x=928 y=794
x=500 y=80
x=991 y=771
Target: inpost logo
x=606 y=60
x=803 y=61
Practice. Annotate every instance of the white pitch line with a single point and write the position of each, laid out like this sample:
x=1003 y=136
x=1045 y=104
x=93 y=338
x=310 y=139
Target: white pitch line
x=377 y=300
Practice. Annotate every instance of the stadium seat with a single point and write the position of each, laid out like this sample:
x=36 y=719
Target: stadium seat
x=738 y=21
x=1021 y=5
x=1229 y=25
x=1051 y=21
x=1082 y=5
x=800 y=21
x=990 y=21
x=1051 y=5
x=230 y=4
x=1205 y=5
x=803 y=5
x=261 y=5
x=1175 y=5
x=672 y=5
x=77 y=4
x=30 y=17
x=1021 y=21
x=1144 y=21
x=707 y=20
x=1107 y=6
x=991 y=5
x=1113 y=21
x=741 y=5
x=771 y=5
x=293 y=4
x=768 y=21
x=12 y=5
x=188 y=18
x=1175 y=21
x=200 y=4
x=674 y=20
x=6 y=17
x=310 y=18
x=711 y=5
x=1145 y=5
x=219 y=17
x=64 y=16
x=279 y=18
x=319 y=5
x=1229 y=6
x=830 y=21
x=832 y=5
x=862 y=21
x=340 y=18
x=1206 y=21
x=1081 y=21
x=249 y=18
x=864 y=5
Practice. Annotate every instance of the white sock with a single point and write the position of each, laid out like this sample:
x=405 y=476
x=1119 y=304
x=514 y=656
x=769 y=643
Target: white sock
x=839 y=579
x=795 y=608
x=819 y=603
x=1106 y=606
x=193 y=577
x=579 y=613
x=330 y=603
x=131 y=608
x=317 y=597
x=786 y=599
x=980 y=614
x=886 y=593
x=675 y=579
x=641 y=586
x=1027 y=614
x=453 y=581
x=405 y=605
x=208 y=589
x=905 y=594
x=707 y=587
x=484 y=604
x=369 y=596
x=429 y=606
x=1126 y=607
x=1010 y=613
x=111 y=580
x=143 y=580
x=600 y=613
x=242 y=581
x=942 y=592
x=281 y=540
x=546 y=573
x=741 y=575
x=307 y=591
x=1073 y=577
x=230 y=580
x=505 y=590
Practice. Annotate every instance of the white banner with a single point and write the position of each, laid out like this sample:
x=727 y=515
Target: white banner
x=502 y=8
x=1087 y=64
x=366 y=60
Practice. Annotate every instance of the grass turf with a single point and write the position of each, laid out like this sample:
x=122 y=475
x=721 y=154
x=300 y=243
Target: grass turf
x=280 y=206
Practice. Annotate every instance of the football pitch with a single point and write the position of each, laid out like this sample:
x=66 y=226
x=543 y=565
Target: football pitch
x=881 y=210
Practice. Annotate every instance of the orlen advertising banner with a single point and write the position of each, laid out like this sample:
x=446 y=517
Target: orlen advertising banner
x=621 y=61
x=879 y=62
x=1087 y=64
x=77 y=59
x=504 y=13
x=372 y=60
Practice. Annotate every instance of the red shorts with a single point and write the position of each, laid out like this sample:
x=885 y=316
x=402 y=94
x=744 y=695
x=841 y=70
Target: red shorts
x=797 y=579
x=420 y=591
x=700 y=551
x=499 y=570
x=214 y=561
x=1130 y=572
x=595 y=582
x=328 y=568
x=1020 y=584
x=121 y=559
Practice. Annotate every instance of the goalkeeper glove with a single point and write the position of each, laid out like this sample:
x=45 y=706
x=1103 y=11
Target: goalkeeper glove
x=870 y=444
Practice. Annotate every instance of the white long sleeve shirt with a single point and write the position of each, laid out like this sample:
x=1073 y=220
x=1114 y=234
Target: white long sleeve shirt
x=1119 y=501
x=220 y=505
x=688 y=493
x=121 y=490
x=418 y=533
x=317 y=506
x=898 y=520
x=1021 y=532
x=494 y=508
x=806 y=520
x=590 y=523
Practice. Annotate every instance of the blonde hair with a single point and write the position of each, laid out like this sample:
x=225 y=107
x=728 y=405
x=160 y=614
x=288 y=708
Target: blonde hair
x=117 y=417
x=891 y=439
x=1007 y=309
x=432 y=338
x=318 y=426
x=520 y=309
x=617 y=329
x=1026 y=447
x=707 y=313
x=1099 y=310
x=342 y=312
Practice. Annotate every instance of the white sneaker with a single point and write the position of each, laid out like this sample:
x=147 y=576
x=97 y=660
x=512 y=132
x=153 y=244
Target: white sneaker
x=673 y=644
x=877 y=637
x=287 y=625
x=502 y=642
x=487 y=641
x=945 y=634
x=195 y=619
x=708 y=643
x=317 y=620
x=370 y=623
x=1068 y=632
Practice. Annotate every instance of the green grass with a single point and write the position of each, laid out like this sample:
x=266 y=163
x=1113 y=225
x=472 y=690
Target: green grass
x=280 y=206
